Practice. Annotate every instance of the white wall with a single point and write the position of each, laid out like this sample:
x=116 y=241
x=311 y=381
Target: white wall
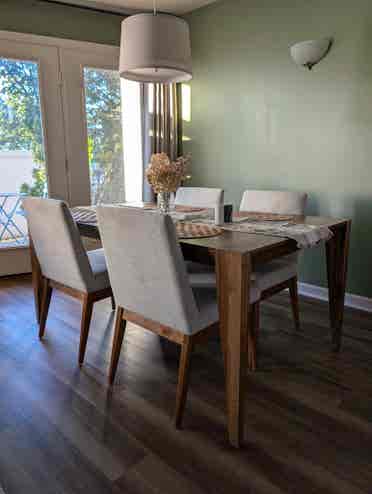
x=15 y=169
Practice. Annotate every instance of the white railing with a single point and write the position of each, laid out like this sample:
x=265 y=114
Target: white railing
x=13 y=225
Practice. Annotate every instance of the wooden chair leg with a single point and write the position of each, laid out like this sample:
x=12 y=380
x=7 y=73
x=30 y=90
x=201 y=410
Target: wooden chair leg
x=113 y=303
x=37 y=279
x=85 y=324
x=293 y=292
x=253 y=337
x=183 y=378
x=44 y=309
x=120 y=325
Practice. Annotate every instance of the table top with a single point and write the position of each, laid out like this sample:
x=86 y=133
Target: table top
x=242 y=242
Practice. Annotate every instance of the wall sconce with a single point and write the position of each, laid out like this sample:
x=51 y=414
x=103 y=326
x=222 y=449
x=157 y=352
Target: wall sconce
x=309 y=53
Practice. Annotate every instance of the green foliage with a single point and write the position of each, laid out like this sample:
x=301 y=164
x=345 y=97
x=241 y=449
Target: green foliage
x=39 y=185
x=105 y=140
x=21 y=126
x=20 y=118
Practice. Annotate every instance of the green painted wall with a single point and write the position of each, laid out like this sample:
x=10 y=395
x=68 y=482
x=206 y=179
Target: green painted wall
x=61 y=21
x=259 y=121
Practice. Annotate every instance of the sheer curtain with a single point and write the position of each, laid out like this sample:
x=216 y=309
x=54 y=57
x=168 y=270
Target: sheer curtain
x=162 y=125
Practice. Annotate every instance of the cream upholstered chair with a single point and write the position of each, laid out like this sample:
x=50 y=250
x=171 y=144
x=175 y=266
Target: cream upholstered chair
x=274 y=201
x=64 y=263
x=199 y=197
x=200 y=275
x=279 y=274
x=151 y=286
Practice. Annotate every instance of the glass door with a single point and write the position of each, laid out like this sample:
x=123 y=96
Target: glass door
x=22 y=151
x=103 y=110
x=104 y=129
x=70 y=128
x=29 y=113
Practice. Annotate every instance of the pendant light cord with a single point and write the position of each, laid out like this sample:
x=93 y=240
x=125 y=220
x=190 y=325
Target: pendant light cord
x=155 y=12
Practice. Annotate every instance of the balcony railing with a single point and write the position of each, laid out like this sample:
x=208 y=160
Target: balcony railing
x=13 y=225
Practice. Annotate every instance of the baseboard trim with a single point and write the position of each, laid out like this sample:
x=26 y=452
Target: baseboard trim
x=321 y=293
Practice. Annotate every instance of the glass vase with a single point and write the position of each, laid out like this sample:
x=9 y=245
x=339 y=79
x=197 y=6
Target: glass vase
x=164 y=199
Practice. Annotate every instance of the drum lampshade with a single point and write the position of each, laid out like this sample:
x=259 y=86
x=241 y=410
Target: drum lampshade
x=155 y=48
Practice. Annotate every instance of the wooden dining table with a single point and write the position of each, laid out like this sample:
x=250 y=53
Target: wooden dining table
x=235 y=255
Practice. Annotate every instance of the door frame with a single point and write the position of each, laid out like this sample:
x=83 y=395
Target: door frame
x=50 y=105
x=59 y=147
x=48 y=52
x=73 y=63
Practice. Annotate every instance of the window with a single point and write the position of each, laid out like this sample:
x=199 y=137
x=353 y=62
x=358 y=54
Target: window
x=69 y=127
x=22 y=153
x=103 y=110
x=114 y=136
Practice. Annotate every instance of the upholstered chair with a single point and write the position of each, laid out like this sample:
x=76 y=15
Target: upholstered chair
x=274 y=201
x=200 y=197
x=64 y=263
x=279 y=274
x=151 y=287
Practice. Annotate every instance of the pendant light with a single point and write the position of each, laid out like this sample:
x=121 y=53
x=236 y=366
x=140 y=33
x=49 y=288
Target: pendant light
x=155 y=48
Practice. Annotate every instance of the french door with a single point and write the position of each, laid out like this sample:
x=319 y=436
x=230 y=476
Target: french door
x=70 y=128
x=104 y=129
x=31 y=118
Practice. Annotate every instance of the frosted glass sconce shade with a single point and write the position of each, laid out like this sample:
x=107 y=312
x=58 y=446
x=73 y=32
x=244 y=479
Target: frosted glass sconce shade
x=309 y=53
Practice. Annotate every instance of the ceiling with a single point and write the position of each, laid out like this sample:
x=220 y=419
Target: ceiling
x=127 y=6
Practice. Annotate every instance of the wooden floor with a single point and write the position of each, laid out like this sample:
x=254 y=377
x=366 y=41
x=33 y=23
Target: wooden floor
x=309 y=412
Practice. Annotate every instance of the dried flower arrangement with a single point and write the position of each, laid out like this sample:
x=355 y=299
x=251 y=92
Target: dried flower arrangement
x=164 y=175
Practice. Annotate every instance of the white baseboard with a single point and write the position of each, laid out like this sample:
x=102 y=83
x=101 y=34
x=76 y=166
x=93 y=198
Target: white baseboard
x=354 y=301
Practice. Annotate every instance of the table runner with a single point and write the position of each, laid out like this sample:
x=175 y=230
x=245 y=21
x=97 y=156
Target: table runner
x=87 y=214
x=304 y=234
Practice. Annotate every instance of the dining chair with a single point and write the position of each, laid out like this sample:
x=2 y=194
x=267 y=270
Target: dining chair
x=274 y=276
x=200 y=275
x=199 y=197
x=274 y=201
x=151 y=287
x=65 y=265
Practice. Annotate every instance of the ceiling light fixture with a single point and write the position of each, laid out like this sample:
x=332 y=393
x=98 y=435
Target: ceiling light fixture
x=155 y=48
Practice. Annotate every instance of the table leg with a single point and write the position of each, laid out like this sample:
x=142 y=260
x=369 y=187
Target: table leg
x=233 y=275
x=337 y=250
x=36 y=280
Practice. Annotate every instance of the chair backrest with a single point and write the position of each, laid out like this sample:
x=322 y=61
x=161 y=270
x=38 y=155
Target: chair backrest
x=200 y=197
x=274 y=201
x=57 y=242
x=146 y=268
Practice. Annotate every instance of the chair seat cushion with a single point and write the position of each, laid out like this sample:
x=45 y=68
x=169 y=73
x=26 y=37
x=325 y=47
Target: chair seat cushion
x=265 y=276
x=275 y=272
x=206 y=296
x=206 y=301
x=201 y=275
x=97 y=262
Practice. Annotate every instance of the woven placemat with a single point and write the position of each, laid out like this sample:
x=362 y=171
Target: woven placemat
x=246 y=215
x=196 y=230
x=188 y=209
